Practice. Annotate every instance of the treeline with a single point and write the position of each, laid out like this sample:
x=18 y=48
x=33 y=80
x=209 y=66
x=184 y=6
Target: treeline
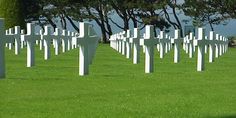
x=160 y=13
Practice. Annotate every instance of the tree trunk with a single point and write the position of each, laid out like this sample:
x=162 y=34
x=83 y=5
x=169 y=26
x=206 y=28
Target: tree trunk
x=63 y=22
x=108 y=25
x=103 y=28
x=178 y=21
x=51 y=22
x=72 y=23
x=126 y=22
x=167 y=16
x=135 y=23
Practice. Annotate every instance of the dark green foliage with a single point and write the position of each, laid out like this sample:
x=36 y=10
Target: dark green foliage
x=212 y=12
x=13 y=12
x=232 y=41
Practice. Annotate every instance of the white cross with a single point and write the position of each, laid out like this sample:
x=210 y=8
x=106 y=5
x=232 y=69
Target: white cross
x=167 y=44
x=224 y=45
x=186 y=44
x=135 y=40
x=64 y=41
x=158 y=45
x=123 y=43
x=201 y=42
x=41 y=41
x=217 y=50
x=113 y=41
x=149 y=41
x=194 y=46
x=191 y=45
x=4 y=38
x=73 y=40
x=47 y=37
x=30 y=38
x=17 y=37
x=206 y=46
x=10 y=37
x=87 y=45
x=93 y=43
x=69 y=36
x=119 y=39
x=128 y=45
x=116 y=42
x=120 y=42
x=212 y=43
x=22 y=38
x=57 y=40
x=163 y=43
x=221 y=47
x=227 y=44
x=176 y=41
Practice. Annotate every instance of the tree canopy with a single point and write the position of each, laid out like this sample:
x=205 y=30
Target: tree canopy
x=13 y=12
x=136 y=13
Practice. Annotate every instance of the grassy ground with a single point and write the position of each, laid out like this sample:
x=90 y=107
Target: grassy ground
x=117 y=88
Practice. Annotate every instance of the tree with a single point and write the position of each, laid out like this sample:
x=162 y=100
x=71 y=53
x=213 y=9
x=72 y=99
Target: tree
x=13 y=12
x=70 y=11
x=171 y=7
x=212 y=12
x=98 y=11
x=226 y=8
x=139 y=11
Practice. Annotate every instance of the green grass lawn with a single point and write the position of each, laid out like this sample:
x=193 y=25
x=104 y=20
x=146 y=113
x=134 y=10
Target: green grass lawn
x=117 y=88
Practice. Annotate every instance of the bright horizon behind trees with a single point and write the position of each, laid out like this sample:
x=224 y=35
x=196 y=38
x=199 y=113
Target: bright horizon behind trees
x=226 y=30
